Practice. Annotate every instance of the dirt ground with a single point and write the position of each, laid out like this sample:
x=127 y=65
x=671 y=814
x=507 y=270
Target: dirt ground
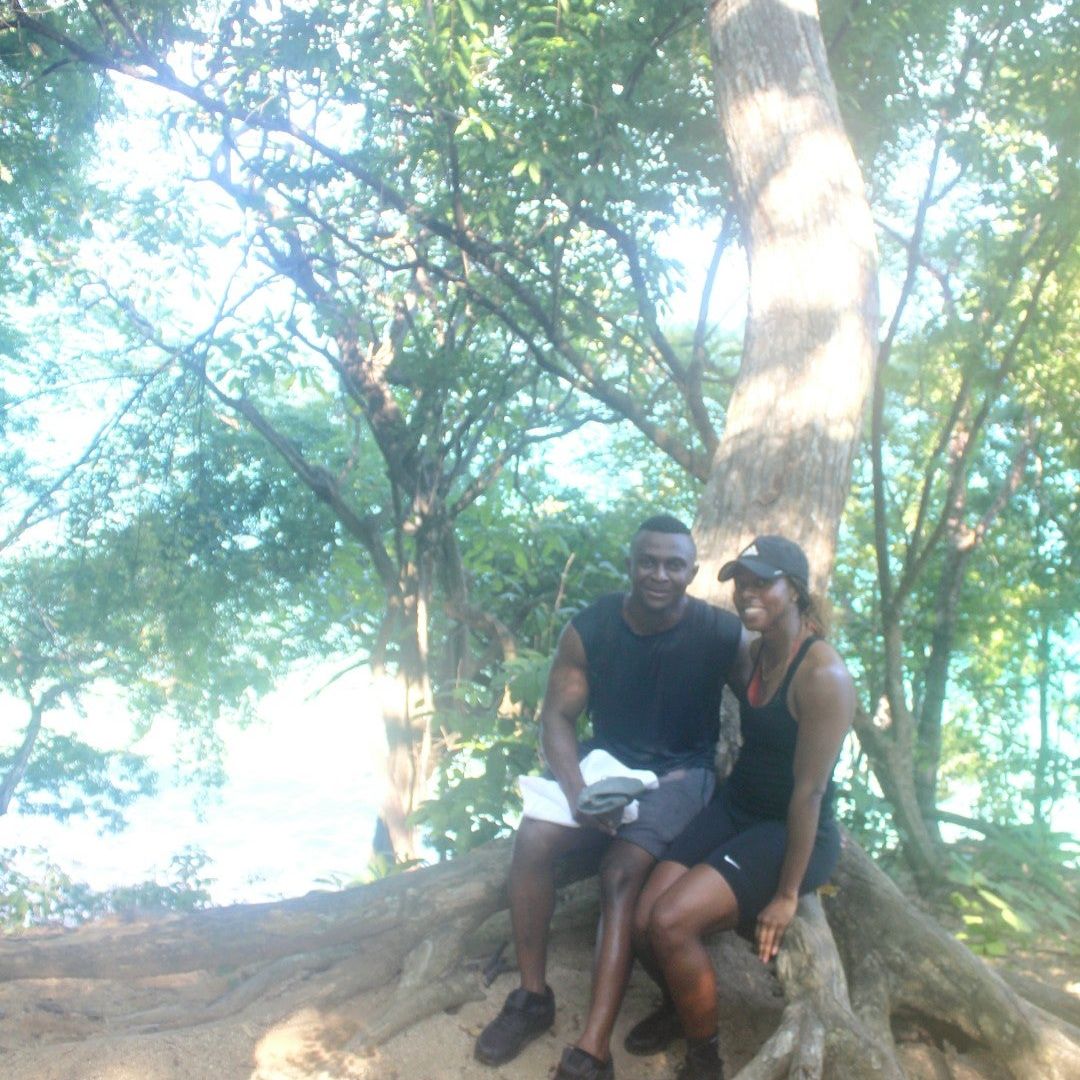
x=72 y=1029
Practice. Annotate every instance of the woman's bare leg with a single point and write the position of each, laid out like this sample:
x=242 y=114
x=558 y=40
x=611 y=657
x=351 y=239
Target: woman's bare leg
x=664 y=875
x=699 y=902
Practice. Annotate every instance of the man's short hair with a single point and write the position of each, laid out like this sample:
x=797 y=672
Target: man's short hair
x=663 y=523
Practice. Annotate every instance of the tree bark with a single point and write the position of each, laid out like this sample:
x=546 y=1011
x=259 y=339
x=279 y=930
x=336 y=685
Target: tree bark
x=794 y=420
x=888 y=737
x=900 y=962
x=407 y=704
x=936 y=680
x=21 y=758
x=1040 y=788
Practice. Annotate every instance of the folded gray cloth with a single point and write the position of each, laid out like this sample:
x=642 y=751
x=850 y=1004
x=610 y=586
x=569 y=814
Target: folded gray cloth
x=610 y=793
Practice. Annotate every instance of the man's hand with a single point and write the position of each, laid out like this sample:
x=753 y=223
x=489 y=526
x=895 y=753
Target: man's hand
x=605 y=823
x=771 y=924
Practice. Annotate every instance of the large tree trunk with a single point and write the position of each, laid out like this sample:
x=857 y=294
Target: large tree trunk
x=794 y=420
x=351 y=969
x=407 y=704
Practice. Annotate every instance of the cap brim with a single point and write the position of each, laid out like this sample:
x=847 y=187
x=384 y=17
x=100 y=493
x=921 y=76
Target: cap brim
x=755 y=566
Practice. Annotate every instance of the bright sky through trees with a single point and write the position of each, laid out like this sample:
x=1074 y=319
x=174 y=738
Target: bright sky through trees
x=287 y=819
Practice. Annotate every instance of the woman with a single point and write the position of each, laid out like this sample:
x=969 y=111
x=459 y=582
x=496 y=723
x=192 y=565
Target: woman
x=768 y=834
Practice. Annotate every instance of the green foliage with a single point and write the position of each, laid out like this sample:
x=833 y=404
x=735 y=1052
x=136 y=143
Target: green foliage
x=379 y=867
x=864 y=813
x=537 y=570
x=192 y=590
x=66 y=777
x=432 y=246
x=1017 y=882
x=976 y=433
x=50 y=110
x=49 y=896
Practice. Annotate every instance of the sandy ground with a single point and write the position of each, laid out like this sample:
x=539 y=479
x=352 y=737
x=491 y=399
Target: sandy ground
x=71 y=1029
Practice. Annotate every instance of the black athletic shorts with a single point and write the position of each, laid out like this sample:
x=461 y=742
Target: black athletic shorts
x=749 y=851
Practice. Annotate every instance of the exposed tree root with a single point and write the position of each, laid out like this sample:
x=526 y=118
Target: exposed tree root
x=253 y=986
x=877 y=964
x=899 y=960
x=819 y=1034
x=1056 y=1002
x=408 y=1008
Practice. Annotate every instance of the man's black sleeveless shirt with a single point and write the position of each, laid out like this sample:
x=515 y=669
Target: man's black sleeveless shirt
x=764 y=775
x=654 y=699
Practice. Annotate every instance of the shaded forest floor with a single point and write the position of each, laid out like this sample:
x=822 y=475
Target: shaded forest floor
x=77 y=1029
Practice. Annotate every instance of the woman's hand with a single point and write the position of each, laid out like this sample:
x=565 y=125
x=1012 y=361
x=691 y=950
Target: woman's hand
x=771 y=924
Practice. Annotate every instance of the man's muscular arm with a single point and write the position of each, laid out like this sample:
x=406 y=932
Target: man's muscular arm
x=565 y=699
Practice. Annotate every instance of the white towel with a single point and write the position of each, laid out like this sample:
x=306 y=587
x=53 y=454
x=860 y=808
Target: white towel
x=544 y=799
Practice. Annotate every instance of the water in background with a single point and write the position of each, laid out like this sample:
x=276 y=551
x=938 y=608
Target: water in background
x=297 y=812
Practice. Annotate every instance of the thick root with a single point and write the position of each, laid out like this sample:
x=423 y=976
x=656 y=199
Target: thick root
x=308 y=973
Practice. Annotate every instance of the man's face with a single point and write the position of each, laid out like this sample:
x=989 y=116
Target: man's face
x=661 y=566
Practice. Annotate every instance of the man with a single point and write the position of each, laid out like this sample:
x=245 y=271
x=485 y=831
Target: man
x=649 y=667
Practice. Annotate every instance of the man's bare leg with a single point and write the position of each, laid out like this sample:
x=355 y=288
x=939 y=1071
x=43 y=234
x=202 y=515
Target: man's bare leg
x=529 y=1011
x=655 y=1031
x=532 y=893
x=622 y=874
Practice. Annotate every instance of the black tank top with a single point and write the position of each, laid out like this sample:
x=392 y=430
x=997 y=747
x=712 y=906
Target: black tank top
x=764 y=775
x=654 y=699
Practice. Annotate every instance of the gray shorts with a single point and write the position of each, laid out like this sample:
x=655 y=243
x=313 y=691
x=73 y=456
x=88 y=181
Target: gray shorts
x=664 y=812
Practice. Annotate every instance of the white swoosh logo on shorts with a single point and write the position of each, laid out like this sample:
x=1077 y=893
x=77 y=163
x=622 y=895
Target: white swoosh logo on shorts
x=729 y=859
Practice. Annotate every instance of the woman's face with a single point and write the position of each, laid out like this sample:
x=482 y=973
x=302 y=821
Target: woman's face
x=761 y=601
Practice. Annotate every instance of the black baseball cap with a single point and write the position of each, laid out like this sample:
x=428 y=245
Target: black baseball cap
x=769 y=557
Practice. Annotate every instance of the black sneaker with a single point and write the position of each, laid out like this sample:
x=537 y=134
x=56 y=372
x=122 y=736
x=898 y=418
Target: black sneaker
x=702 y=1061
x=656 y=1032
x=524 y=1017
x=578 y=1064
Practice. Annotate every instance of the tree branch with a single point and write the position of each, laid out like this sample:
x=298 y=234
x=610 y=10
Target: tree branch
x=17 y=769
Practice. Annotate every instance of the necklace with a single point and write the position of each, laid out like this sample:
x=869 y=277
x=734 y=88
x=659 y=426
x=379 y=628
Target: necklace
x=765 y=674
